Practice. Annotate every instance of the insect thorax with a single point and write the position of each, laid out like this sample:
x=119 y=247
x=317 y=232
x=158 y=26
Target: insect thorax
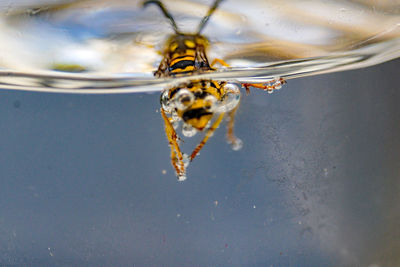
x=185 y=54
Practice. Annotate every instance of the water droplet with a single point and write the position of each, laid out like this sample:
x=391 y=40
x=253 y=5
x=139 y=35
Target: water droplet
x=188 y=130
x=237 y=144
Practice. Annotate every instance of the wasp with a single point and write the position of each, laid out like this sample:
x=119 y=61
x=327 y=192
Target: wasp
x=201 y=104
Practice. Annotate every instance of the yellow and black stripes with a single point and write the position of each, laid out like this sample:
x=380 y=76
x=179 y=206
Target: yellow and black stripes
x=201 y=89
x=185 y=54
x=206 y=94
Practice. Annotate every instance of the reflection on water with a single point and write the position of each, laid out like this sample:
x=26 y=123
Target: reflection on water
x=115 y=43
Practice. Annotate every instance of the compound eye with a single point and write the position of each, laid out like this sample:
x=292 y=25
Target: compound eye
x=183 y=99
x=210 y=103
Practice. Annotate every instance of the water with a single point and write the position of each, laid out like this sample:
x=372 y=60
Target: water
x=112 y=47
x=86 y=179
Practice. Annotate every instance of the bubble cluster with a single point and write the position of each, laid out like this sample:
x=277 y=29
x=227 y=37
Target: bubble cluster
x=277 y=84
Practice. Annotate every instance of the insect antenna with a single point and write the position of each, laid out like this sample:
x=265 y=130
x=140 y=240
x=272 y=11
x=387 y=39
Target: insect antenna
x=165 y=12
x=207 y=17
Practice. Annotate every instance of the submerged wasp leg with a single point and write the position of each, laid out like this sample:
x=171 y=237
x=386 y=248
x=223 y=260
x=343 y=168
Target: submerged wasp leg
x=269 y=86
x=235 y=142
x=176 y=154
x=208 y=134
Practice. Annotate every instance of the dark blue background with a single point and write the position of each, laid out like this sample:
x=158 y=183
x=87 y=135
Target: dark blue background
x=316 y=183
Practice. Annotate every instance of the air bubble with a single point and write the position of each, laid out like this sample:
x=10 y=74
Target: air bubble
x=232 y=88
x=211 y=102
x=174 y=116
x=208 y=125
x=237 y=144
x=165 y=103
x=185 y=160
x=277 y=85
x=182 y=177
x=231 y=99
x=188 y=130
x=183 y=99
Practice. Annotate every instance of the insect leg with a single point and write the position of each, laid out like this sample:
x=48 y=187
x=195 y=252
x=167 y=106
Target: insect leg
x=269 y=87
x=162 y=68
x=220 y=61
x=176 y=154
x=235 y=142
x=208 y=134
x=201 y=58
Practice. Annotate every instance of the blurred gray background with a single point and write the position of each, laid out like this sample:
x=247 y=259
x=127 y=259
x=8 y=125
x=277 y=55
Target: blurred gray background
x=83 y=182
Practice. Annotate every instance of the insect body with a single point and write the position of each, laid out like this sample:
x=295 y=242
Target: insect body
x=199 y=104
x=184 y=53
